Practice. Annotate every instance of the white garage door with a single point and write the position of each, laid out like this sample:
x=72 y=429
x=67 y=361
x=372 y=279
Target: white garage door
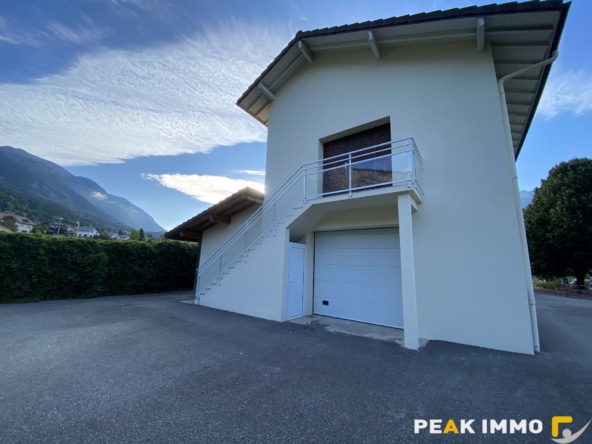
x=357 y=276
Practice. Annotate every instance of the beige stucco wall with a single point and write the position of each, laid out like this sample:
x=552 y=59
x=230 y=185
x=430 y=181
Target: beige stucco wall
x=469 y=279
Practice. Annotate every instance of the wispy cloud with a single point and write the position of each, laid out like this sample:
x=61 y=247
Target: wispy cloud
x=143 y=4
x=117 y=105
x=251 y=172
x=209 y=189
x=86 y=33
x=567 y=92
x=12 y=35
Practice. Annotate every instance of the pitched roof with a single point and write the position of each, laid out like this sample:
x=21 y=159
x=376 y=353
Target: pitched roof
x=222 y=212
x=86 y=229
x=520 y=34
x=19 y=219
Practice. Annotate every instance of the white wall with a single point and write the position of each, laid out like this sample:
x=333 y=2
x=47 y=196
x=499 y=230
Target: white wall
x=24 y=228
x=469 y=279
x=256 y=287
x=214 y=237
x=356 y=219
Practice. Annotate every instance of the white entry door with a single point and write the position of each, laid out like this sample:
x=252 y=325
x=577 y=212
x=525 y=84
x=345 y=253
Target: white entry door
x=358 y=276
x=295 y=293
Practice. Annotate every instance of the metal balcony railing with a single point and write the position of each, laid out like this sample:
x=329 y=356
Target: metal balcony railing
x=395 y=164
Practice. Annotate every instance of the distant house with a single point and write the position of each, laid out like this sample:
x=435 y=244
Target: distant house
x=356 y=223
x=87 y=232
x=113 y=234
x=22 y=224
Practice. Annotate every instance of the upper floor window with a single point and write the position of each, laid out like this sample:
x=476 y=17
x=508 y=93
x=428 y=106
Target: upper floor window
x=368 y=167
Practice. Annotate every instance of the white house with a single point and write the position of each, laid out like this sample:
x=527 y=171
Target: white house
x=87 y=232
x=391 y=189
x=21 y=223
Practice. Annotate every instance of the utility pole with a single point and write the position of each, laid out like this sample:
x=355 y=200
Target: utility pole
x=59 y=226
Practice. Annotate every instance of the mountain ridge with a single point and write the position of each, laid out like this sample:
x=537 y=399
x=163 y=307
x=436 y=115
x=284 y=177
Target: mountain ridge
x=36 y=180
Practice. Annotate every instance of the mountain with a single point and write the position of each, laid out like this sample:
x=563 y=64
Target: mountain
x=46 y=190
x=526 y=197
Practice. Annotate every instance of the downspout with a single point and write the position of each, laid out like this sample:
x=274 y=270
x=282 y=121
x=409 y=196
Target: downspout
x=519 y=214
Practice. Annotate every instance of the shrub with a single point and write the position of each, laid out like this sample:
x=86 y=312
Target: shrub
x=34 y=268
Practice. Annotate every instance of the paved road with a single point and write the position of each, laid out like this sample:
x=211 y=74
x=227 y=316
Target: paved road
x=151 y=369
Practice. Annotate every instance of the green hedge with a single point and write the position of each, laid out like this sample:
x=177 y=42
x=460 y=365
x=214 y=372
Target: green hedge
x=34 y=268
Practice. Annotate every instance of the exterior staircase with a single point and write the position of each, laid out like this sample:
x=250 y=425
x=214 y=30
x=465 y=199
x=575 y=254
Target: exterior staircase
x=396 y=164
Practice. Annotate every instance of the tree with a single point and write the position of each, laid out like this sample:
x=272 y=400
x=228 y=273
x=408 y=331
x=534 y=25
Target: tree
x=41 y=228
x=559 y=222
x=138 y=235
x=10 y=222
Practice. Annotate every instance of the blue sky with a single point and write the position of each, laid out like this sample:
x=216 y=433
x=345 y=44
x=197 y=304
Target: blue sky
x=139 y=95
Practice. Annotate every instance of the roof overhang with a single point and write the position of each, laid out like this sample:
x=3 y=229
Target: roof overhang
x=220 y=213
x=519 y=34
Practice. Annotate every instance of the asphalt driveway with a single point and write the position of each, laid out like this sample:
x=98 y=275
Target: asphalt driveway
x=152 y=369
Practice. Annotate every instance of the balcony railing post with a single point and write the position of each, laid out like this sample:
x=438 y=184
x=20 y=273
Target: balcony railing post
x=411 y=170
x=349 y=174
x=413 y=164
x=392 y=167
x=274 y=221
x=304 y=185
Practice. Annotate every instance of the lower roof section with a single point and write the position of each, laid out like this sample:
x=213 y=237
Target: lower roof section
x=220 y=213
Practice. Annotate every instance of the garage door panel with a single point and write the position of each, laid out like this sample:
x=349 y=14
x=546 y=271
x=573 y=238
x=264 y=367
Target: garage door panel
x=355 y=239
x=371 y=294
x=358 y=276
x=364 y=258
x=362 y=312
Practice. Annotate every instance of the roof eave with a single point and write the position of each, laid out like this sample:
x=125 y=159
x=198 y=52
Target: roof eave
x=221 y=212
x=545 y=76
x=256 y=101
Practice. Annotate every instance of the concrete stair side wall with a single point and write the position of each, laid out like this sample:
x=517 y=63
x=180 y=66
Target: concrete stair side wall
x=255 y=287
